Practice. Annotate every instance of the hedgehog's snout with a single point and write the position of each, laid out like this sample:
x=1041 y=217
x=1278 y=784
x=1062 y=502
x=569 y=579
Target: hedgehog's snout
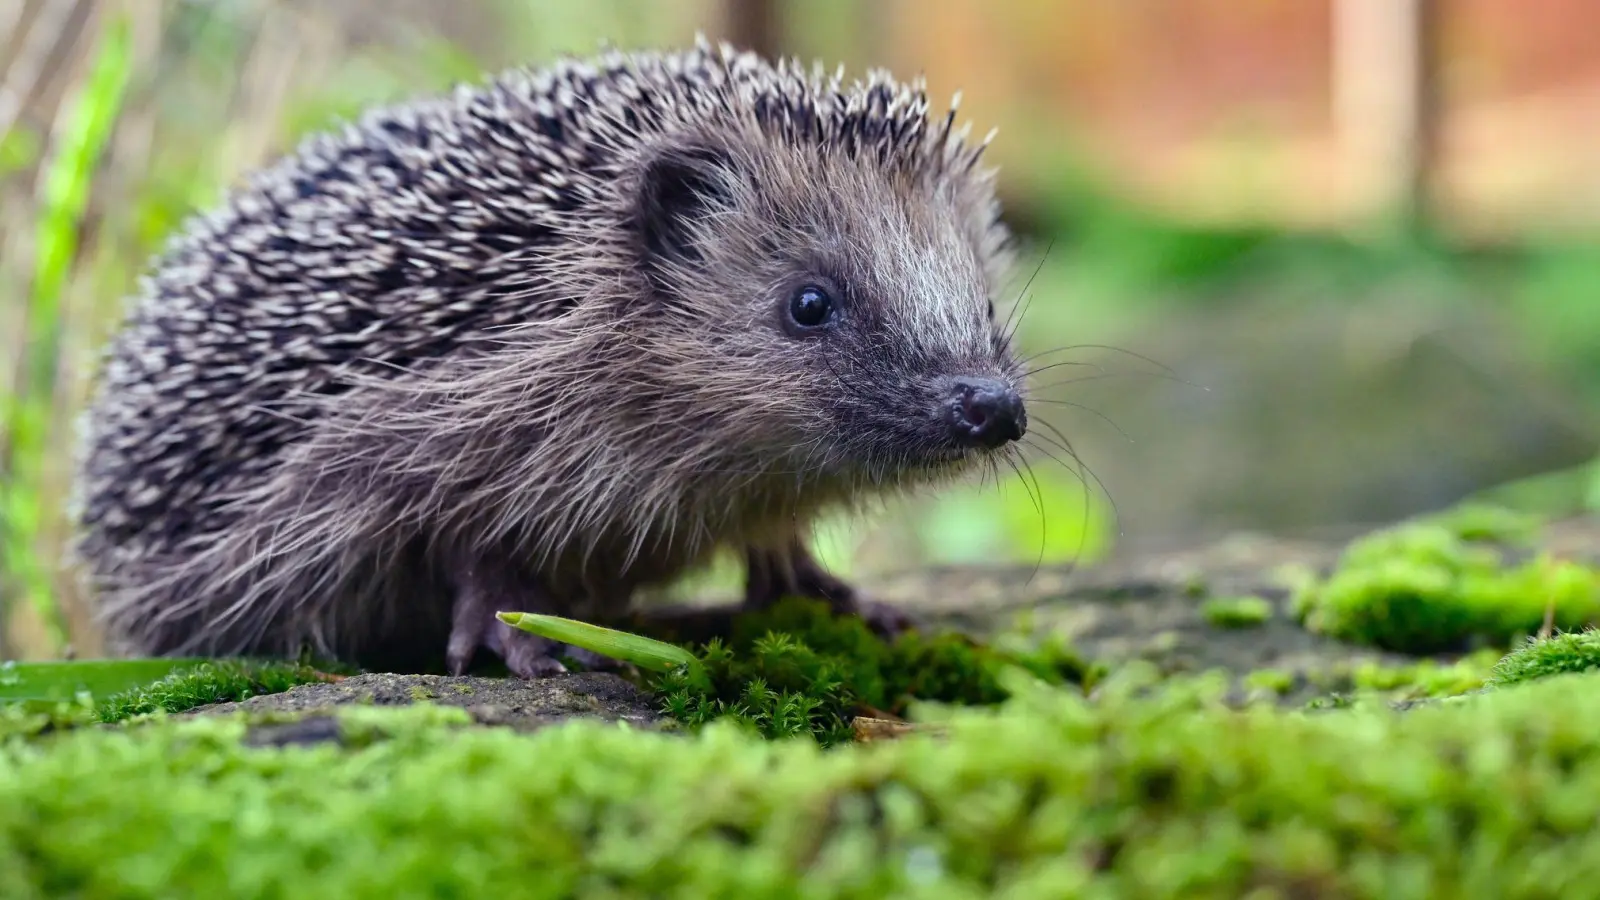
x=984 y=412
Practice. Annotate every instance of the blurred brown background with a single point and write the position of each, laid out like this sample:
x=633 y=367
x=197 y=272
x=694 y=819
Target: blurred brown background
x=1359 y=232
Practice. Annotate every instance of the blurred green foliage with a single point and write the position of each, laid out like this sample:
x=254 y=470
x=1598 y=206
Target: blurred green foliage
x=26 y=414
x=1236 y=612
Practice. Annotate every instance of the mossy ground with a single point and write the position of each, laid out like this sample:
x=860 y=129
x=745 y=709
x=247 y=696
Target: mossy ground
x=1148 y=791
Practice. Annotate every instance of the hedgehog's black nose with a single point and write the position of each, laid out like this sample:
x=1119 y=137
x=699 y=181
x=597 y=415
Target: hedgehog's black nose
x=985 y=412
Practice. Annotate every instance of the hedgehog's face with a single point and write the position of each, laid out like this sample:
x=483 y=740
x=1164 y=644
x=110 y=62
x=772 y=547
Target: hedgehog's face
x=850 y=310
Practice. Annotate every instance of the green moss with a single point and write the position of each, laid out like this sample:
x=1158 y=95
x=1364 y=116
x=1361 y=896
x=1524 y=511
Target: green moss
x=799 y=669
x=1152 y=793
x=1275 y=681
x=1422 y=588
x=1372 y=681
x=1237 y=612
x=26 y=720
x=1488 y=523
x=1427 y=677
x=1561 y=654
x=214 y=682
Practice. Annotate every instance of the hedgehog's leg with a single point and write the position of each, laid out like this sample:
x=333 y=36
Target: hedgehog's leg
x=771 y=576
x=483 y=589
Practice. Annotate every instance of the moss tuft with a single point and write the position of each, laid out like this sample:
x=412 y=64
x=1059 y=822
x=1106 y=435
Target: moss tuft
x=1488 y=523
x=1237 y=612
x=1573 y=652
x=1426 y=677
x=1422 y=588
x=798 y=669
x=1273 y=681
x=221 y=681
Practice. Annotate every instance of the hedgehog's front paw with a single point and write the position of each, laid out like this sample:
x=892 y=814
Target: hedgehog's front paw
x=526 y=655
x=770 y=578
x=887 y=620
x=473 y=625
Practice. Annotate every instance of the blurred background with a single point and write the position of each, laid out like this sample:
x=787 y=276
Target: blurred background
x=1325 y=263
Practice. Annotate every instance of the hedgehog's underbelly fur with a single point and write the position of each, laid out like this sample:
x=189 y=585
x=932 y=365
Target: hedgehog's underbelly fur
x=342 y=540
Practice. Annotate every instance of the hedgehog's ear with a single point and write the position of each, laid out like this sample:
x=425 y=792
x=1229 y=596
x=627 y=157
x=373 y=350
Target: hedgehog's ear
x=680 y=186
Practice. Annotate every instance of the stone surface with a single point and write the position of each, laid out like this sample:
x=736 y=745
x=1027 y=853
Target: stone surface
x=510 y=702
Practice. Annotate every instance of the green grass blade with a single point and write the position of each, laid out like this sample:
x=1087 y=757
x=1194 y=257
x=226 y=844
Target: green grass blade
x=630 y=648
x=63 y=680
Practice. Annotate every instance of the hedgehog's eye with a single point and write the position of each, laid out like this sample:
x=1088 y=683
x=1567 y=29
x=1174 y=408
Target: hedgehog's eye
x=810 y=307
x=991 y=310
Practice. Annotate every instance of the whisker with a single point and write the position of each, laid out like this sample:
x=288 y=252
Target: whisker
x=1139 y=356
x=1032 y=372
x=1038 y=506
x=1077 y=471
x=1066 y=445
x=1087 y=409
x=1023 y=299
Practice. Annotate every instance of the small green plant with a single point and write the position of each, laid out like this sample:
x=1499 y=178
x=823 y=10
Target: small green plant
x=1577 y=651
x=798 y=669
x=1237 y=612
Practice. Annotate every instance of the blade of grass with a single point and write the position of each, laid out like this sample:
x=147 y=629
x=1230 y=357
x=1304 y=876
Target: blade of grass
x=630 y=648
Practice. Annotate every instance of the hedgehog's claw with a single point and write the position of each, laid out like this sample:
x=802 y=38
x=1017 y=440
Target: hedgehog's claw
x=770 y=578
x=592 y=661
x=526 y=655
x=473 y=625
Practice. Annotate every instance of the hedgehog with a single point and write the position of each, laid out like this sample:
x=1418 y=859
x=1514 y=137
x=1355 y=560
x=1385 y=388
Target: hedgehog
x=538 y=344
